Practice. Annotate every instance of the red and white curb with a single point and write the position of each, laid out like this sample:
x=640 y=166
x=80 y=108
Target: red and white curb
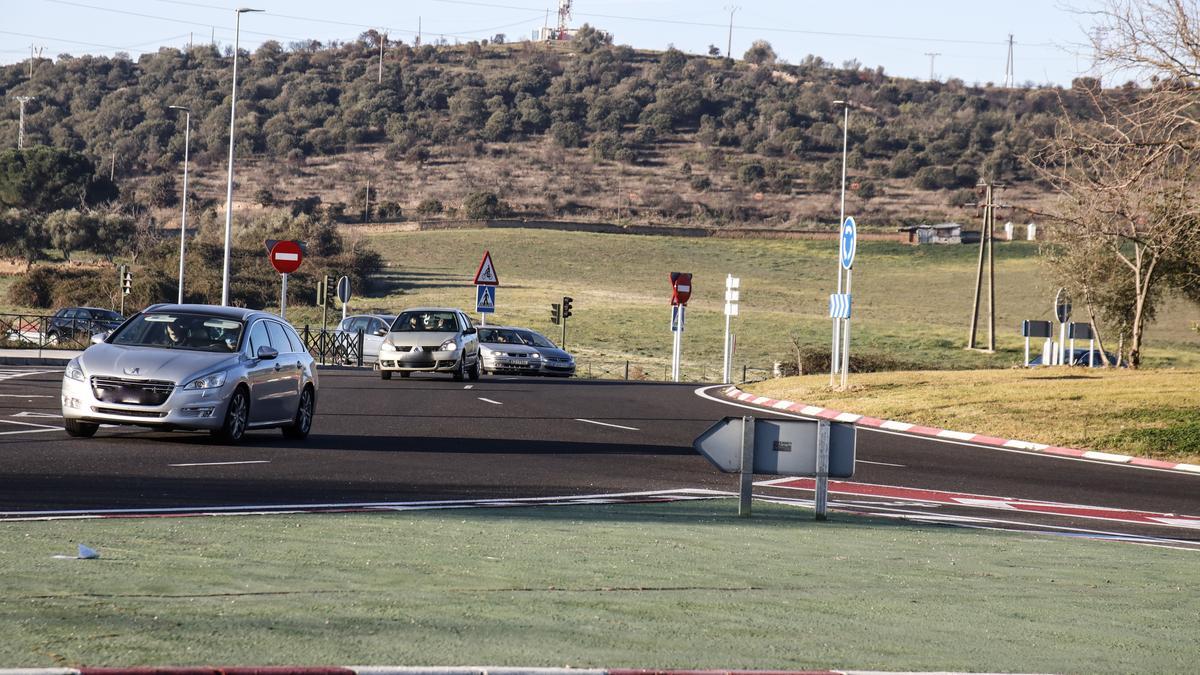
x=736 y=394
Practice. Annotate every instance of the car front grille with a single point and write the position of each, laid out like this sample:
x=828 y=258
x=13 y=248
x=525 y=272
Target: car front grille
x=149 y=414
x=134 y=392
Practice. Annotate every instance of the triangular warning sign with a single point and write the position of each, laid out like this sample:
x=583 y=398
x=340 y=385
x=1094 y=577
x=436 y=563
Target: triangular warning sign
x=486 y=275
x=487 y=299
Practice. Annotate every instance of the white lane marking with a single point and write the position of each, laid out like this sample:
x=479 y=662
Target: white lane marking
x=36 y=414
x=250 y=461
x=863 y=461
x=469 y=386
x=1183 y=469
x=30 y=424
x=25 y=396
x=30 y=431
x=606 y=424
x=488 y=400
x=685 y=493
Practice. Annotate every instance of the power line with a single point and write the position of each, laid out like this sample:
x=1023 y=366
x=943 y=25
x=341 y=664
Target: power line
x=773 y=29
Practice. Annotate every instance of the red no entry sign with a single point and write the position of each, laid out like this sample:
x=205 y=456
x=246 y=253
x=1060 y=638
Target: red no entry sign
x=681 y=288
x=286 y=256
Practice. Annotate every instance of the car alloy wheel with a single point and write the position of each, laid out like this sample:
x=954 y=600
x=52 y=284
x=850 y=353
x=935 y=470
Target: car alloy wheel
x=302 y=423
x=236 y=417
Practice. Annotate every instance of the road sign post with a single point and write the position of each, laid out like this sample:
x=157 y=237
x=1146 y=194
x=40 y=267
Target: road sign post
x=1062 y=311
x=486 y=276
x=847 y=247
x=285 y=257
x=732 y=297
x=343 y=293
x=1032 y=329
x=814 y=448
x=681 y=292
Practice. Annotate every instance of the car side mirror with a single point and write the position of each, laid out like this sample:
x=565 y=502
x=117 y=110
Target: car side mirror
x=266 y=353
x=100 y=337
x=470 y=331
x=382 y=332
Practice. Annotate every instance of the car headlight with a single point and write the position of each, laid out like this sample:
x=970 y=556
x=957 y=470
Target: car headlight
x=74 y=371
x=210 y=381
x=448 y=346
x=387 y=347
x=535 y=356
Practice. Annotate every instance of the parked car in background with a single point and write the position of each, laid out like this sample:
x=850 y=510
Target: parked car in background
x=1079 y=357
x=555 y=361
x=196 y=367
x=504 y=350
x=375 y=328
x=79 y=324
x=433 y=340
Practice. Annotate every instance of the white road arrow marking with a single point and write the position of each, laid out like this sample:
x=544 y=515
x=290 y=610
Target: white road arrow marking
x=488 y=400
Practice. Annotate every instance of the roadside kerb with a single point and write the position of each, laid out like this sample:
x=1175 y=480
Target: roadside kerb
x=735 y=394
x=392 y=670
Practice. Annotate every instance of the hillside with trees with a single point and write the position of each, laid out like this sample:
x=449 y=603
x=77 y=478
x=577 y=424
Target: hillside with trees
x=586 y=130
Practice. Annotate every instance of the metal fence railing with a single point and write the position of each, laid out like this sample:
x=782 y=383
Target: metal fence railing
x=37 y=331
x=610 y=369
x=334 y=346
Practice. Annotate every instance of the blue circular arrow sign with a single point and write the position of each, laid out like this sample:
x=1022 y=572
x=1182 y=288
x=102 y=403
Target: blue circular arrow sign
x=849 y=244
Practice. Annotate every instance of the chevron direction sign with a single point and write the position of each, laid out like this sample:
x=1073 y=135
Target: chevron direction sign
x=839 y=305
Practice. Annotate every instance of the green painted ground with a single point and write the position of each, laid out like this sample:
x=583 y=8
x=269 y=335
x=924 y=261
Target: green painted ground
x=679 y=585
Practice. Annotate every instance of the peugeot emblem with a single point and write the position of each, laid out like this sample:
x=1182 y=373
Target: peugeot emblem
x=133 y=371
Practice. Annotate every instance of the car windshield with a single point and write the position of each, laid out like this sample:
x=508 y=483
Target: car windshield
x=432 y=321
x=502 y=336
x=536 y=340
x=195 y=332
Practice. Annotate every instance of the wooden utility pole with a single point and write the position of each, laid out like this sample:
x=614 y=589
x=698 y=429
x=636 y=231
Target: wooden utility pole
x=986 y=246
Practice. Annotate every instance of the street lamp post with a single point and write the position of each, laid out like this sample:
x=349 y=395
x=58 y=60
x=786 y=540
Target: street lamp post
x=835 y=361
x=229 y=187
x=187 y=132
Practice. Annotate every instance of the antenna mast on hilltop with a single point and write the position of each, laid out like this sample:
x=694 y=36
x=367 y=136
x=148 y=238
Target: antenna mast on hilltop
x=564 y=18
x=1009 y=76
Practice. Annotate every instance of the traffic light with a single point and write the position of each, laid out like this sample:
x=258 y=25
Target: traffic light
x=566 y=307
x=554 y=313
x=126 y=280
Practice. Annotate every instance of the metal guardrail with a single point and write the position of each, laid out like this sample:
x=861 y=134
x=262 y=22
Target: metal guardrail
x=607 y=369
x=36 y=331
x=334 y=346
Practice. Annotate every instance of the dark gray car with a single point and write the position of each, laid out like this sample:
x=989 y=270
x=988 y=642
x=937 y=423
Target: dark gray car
x=198 y=367
x=555 y=361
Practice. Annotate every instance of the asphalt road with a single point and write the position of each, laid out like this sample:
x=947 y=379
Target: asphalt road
x=429 y=438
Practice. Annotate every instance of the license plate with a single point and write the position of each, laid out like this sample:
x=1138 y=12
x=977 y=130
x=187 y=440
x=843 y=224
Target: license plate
x=518 y=363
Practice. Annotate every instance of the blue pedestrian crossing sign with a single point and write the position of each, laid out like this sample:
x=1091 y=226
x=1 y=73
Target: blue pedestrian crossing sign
x=839 y=305
x=849 y=242
x=485 y=299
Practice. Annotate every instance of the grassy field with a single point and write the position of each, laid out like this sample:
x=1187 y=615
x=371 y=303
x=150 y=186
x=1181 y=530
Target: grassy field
x=1149 y=413
x=668 y=586
x=913 y=303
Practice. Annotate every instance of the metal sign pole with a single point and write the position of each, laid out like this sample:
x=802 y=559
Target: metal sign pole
x=846 y=336
x=1026 y=351
x=283 y=297
x=746 y=482
x=725 y=353
x=821 y=494
x=1062 y=343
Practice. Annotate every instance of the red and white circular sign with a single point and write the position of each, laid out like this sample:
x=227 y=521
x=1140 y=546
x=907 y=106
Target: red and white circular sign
x=286 y=256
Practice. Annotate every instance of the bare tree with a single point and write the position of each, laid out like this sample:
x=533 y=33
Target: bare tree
x=1125 y=168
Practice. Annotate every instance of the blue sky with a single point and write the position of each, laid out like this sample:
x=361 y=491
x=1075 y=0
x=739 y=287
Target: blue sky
x=969 y=35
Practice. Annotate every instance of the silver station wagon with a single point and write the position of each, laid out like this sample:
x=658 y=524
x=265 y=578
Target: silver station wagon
x=197 y=367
